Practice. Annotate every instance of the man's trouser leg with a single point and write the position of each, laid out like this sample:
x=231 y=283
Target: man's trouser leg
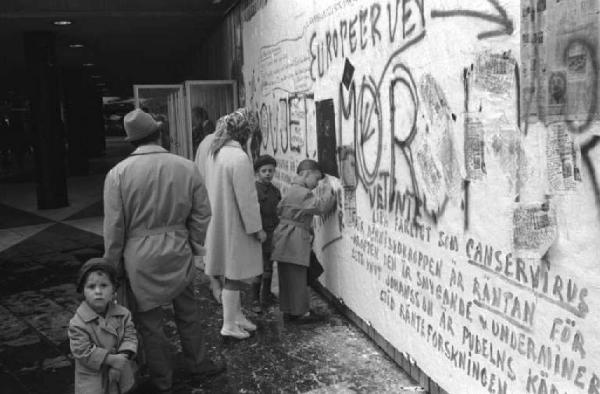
x=158 y=354
x=187 y=319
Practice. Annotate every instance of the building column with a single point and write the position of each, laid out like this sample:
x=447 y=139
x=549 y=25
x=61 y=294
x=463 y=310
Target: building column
x=76 y=90
x=48 y=130
x=96 y=142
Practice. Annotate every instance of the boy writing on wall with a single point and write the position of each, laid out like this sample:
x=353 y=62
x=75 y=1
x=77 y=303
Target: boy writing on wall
x=292 y=239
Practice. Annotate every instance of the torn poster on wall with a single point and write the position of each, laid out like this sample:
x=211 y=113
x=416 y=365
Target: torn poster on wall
x=492 y=89
x=474 y=148
x=534 y=228
x=563 y=159
x=560 y=78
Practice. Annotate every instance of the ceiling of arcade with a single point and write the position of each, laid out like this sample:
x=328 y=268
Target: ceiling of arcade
x=127 y=41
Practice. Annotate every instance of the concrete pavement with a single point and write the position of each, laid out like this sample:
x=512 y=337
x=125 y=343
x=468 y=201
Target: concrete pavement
x=40 y=253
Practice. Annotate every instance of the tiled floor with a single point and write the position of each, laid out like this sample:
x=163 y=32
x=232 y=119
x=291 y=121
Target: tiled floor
x=40 y=253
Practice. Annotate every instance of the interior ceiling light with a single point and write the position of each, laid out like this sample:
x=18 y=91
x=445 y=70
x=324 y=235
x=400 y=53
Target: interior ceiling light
x=88 y=64
x=62 y=23
x=75 y=45
x=96 y=76
x=216 y=1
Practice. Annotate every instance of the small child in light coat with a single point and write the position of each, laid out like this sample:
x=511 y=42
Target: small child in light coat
x=102 y=336
x=292 y=240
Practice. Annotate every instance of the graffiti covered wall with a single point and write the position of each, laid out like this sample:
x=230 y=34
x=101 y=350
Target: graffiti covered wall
x=461 y=138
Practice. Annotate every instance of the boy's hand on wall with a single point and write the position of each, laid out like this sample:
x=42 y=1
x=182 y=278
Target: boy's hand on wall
x=329 y=191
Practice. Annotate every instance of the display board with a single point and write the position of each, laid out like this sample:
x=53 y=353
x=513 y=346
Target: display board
x=207 y=101
x=461 y=138
x=165 y=103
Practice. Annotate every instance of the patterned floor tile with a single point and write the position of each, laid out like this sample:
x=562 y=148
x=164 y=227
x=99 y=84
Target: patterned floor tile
x=13 y=217
x=41 y=313
x=73 y=233
x=14 y=332
x=19 y=195
x=19 y=273
x=46 y=380
x=89 y=224
x=94 y=210
x=83 y=192
x=54 y=238
x=10 y=384
x=64 y=295
x=12 y=236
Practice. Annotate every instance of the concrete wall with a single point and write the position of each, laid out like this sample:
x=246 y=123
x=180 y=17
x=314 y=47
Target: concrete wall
x=461 y=137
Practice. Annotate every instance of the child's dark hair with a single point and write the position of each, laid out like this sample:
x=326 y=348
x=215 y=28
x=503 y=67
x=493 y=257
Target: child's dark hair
x=96 y=264
x=263 y=160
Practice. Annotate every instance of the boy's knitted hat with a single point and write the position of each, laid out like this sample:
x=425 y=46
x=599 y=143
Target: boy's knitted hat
x=263 y=160
x=96 y=264
x=309 y=165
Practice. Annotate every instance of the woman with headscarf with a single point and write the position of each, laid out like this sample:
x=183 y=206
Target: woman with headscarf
x=202 y=155
x=235 y=234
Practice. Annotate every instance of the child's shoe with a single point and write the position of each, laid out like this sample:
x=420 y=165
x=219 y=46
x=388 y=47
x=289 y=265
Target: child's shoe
x=256 y=307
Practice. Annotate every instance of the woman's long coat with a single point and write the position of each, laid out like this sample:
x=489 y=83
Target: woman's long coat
x=231 y=248
x=156 y=214
x=91 y=338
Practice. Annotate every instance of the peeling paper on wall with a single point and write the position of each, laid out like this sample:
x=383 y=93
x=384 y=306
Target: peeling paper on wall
x=491 y=90
x=435 y=150
x=535 y=229
x=563 y=159
x=507 y=151
x=474 y=148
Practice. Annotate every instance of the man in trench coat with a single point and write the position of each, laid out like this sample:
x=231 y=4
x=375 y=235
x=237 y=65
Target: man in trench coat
x=156 y=212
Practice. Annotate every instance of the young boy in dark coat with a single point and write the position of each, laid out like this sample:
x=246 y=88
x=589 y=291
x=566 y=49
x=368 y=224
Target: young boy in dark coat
x=268 y=198
x=292 y=240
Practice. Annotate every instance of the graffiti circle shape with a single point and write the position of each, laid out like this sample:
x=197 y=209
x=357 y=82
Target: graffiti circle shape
x=369 y=136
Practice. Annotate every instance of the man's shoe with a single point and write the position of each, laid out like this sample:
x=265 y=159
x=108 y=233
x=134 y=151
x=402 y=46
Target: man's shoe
x=208 y=369
x=289 y=316
x=148 y=387
x=311 y=317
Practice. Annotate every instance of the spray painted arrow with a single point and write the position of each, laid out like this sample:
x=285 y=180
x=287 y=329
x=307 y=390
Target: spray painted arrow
x=500 y=18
